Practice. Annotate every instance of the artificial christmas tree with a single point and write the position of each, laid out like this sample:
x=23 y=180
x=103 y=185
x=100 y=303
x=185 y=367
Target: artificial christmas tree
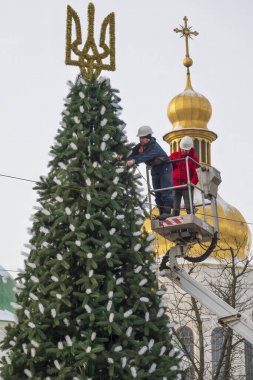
x=88 y=303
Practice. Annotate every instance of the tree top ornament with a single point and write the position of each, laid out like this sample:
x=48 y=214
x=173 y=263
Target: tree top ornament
x=89 y=59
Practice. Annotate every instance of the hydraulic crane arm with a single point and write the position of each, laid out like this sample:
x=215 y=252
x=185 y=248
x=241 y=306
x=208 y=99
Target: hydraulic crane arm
x=226 y=314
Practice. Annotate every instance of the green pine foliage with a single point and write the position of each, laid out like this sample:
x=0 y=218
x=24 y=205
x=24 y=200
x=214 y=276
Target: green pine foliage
x=88 y=304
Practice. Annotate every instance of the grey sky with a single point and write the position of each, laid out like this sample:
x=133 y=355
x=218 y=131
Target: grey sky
x=149 y=74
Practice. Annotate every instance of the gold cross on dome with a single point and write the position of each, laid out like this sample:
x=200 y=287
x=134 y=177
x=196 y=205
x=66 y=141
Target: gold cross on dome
x=187 y=33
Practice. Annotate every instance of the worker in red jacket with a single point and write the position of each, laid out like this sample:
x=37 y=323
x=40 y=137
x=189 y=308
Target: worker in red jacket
x=180 y=174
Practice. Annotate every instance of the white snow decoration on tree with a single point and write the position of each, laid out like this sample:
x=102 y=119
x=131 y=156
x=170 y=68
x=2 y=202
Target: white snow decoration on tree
x=57 y=364
x=160 y=312
x=137 y=233
x=68 y=340
x=16 y=306
x=28 y=373
x=152 y=368
x=110 y=294
x=67 y=210
x=137 y=247
x=149 y=249
x=174 y=368
x=88 y=291
x=151 y=237
x=35 y=279
x=87 y=308
x=102 y=146
x=121 y=127
x=123 y=139
x=110 y=360
x=73 y=146
x=172 y=352
x=88 y=197
x=27 y=313
x=89 y=255
x=32 y=325
x=76 y=119
x=138 y=269
x=57 y=181
x=58 y=296
x=112 y=231
x=120 y=217
x=151 y=343
x=60 y=346
x=34 y=343
x=59 y=199
x=81 y=109
x=95 y=164
x=118 y=349
x=106 y=137
x=88 y=349
x=88 y=182
x=78 y=243
x=53 y=313
x=103 y=122
x=147 y=316
x=161 y=292
x=143 y=350
x=45 y=244
x=62 y=166
x=45 y=212
x=33 y=352
x=31 y=265
x=102 y=110
x=114 y=195
x=143 y=282
x=81 y=94
x=109 y=305
x=63 y=124
x=24 y=348
x=119 y=280
x=107 y=245
x=54 y=278
x=91 y=272
x=129 y=331
x=120 y=170
x=59 y=256
x=72 y=228
x=66 y=112
x=12 y=343
x=87 y=216
x=82 y=80
x=163 y=349
x=128 y=313
x=93 y=336
x=111 y=317
x=133 y=371
x=8 y=360
x=139 y=222
x=20 y=285
x=108 y=255
x=44 y=230
x=123 y=361
x=144 y=299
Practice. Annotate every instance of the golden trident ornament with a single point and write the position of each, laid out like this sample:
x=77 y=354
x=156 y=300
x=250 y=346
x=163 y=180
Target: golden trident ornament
x=89 y=59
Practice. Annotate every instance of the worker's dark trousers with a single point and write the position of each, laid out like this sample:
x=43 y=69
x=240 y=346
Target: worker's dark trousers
x=162 y=178
x=177 y=196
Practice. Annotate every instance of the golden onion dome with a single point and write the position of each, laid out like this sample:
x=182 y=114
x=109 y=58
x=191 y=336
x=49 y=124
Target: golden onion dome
x=189 y=109
x=234 y=234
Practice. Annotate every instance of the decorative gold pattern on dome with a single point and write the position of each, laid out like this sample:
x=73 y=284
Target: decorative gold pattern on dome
x=89 y=59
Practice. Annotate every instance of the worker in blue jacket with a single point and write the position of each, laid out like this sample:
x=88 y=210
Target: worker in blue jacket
x=151 y=153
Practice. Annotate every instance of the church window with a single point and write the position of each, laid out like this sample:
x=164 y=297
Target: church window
x=217 y=342
x=186 y=338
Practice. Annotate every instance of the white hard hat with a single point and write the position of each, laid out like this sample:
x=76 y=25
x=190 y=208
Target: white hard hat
x=144 y=131
x=186 y=143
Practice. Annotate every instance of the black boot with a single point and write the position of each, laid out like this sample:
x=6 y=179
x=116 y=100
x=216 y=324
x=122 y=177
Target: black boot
x=165 y=214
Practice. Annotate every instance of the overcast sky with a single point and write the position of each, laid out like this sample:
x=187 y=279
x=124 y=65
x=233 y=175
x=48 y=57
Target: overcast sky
x=149 y=74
